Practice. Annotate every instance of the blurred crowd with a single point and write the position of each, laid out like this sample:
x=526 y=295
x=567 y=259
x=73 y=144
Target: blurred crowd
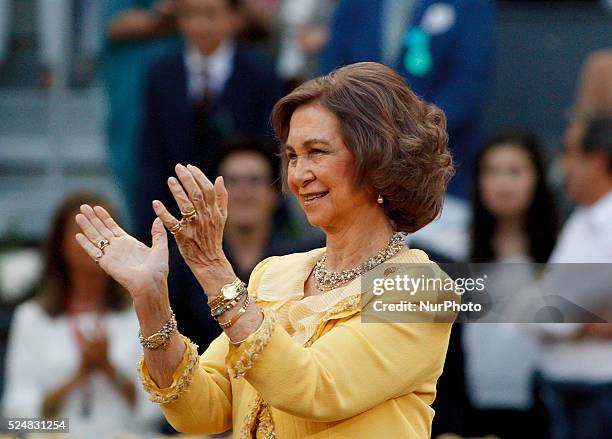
x=194 y=81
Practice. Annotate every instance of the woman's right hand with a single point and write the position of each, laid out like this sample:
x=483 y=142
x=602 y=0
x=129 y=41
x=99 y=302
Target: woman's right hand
x=141 y=270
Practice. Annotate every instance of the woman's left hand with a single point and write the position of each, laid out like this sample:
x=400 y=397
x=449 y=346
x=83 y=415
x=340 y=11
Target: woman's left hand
x=200 y=238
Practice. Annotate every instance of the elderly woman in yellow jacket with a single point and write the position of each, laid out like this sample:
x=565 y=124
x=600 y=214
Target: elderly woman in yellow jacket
x=366 y=159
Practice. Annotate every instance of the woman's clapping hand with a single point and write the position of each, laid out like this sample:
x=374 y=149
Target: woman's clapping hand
x=199 y=234
x=141 y=270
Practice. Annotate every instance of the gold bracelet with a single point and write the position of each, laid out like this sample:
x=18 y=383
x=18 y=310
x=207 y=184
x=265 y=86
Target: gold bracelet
x=216 y=312
x=183 y=382
x=239 y=314
x=161 y=339
x=238 y=343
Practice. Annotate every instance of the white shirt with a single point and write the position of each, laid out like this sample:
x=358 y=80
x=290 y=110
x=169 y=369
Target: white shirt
x=217 y=67
x=499 y=357
x=585 y=238
x=587 y=235
x=42 y=354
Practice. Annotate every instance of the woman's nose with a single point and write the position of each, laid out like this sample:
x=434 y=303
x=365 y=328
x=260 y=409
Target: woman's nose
x=302 y=172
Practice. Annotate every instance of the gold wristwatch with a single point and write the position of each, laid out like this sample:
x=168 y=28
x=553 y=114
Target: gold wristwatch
x=228 y=292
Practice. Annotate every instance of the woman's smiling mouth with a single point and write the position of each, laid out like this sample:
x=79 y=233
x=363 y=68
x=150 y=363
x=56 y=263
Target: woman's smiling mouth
x=312 y=198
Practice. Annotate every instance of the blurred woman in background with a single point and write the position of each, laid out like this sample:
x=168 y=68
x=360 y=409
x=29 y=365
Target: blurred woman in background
x=71 y=350
x=514 y=220
x=515 y=217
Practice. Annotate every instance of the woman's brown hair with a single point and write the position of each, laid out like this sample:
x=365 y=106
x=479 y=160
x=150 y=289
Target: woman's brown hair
x=55 y=282
x=399 y=142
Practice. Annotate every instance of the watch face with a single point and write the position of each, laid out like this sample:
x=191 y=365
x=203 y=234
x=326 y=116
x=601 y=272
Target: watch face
x=229 y=292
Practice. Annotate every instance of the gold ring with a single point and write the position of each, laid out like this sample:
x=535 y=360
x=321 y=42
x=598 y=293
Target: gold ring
x=190 y=213
x=103 y=244
x=176 y=228
x=189 y=216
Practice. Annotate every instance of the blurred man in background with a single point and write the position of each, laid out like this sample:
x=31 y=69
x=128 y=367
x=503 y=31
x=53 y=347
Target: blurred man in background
x=211 y=89
x=575 y=360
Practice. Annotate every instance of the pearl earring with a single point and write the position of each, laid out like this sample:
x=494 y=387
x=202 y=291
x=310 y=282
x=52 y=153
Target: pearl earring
x=380 y=199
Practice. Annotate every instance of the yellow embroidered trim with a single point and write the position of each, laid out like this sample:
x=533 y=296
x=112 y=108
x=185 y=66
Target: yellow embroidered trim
x=347 y=303
x=253 y=347
x=182 y=383
x=265 y=425
x=258 y=421
x=249 y=419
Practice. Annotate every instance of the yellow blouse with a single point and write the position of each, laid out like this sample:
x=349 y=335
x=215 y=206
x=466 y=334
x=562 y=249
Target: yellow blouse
x=313 y=369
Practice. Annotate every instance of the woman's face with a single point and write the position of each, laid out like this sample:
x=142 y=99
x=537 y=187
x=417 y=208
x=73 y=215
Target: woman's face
x=248 y=179
x=507 y=181
x=320 y=169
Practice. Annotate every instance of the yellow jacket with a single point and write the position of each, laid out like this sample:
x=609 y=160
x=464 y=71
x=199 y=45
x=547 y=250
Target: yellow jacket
x=349 y=380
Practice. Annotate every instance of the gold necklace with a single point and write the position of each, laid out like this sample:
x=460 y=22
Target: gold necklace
x=328 y=280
